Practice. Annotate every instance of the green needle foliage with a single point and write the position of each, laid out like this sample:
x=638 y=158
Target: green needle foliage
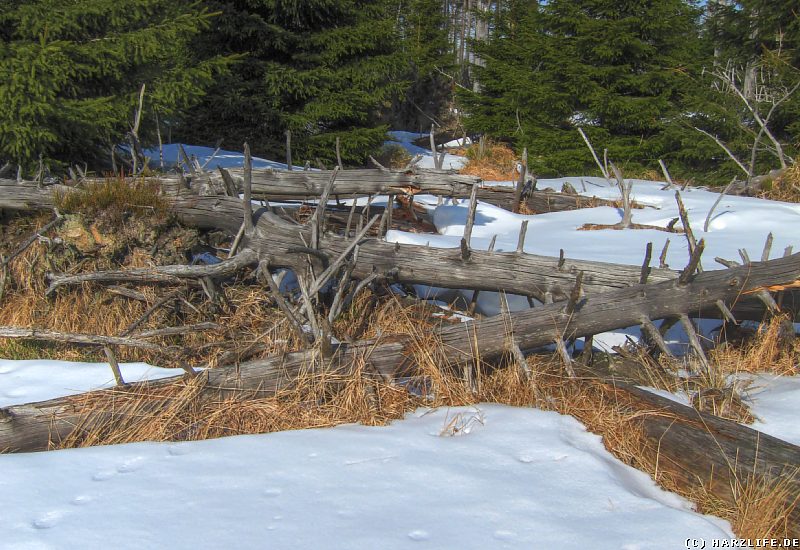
x=71 y=71
x=617 y=68
x=320 y=68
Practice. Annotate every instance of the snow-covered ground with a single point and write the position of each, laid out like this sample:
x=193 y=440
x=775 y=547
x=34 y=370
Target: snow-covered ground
x=407 y=139
x=28 y=381
x=775 y=401
x=207 y=158
x=486 y=477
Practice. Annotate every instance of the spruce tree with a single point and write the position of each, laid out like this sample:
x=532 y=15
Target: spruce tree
x=320 y=68
x=424 y=41
x=617 y=68
x=71 y=70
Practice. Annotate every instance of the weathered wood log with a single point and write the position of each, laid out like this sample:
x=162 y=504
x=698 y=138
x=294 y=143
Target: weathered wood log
x=275 y=239
x=756 y=184
x=624 y=307
x=28 y=196
x=28 y=427
x=41 y=426
x=174 y=274
x=707 y=453
x=76 y=338
x=540 y=202
x=525 y=274
x=282 y=185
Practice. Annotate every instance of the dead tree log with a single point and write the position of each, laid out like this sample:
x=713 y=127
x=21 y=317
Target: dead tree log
x=28 y=196
x=274 y=239
x=278 y=241
x=700 y=451
x=540 y=201
x=73 y=338
x=174 y=274
x=30 y=427
x=282 y=185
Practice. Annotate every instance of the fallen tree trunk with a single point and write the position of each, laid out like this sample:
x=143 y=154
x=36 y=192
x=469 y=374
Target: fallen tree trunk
x=277 y=241
x=27 y=196
x=73 y=338
x=701 y=452
x=526 y=274
x=540 y=202
x=29 y=427
x=284 y=185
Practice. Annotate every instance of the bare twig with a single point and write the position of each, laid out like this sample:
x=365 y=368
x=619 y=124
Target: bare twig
x=112 y=362
x=666 y=174
x=30 y=240
x=248 y=190
x=594 y=155
x=728 y=151
x=716 y=202
x=625 y=190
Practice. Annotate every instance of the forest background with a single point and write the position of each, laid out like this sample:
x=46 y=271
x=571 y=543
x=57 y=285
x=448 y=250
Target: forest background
x=646 y=80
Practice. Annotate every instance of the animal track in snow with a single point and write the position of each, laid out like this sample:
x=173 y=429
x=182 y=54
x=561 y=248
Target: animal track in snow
x=48 y=520
x=502 y=534
x=82 y=500
x=178 y=450
x=131 y=465
x=103 y=475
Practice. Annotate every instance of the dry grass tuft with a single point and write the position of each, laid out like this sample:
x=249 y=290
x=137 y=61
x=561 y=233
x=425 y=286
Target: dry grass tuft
x=492 y=162
x=761 y=510
x=715 y=392
x=247 y=316
x=759 y=507
x=114 y=201
x=769 y=351
x=393 y=156
x=784 y=188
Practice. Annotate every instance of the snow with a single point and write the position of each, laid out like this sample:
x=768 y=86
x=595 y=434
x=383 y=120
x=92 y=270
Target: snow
x=406 y=139
x=206 y=157
x=514 y=478
x=39 y=380
x=774 y=401
x=737 y=222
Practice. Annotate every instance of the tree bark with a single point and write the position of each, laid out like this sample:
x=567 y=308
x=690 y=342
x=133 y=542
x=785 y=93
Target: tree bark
x=700 y=451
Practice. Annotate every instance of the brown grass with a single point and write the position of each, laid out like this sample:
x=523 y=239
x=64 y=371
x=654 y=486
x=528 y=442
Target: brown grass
x=497 y=163
x=768 y=351
x=784 y=188
x=91 y=309
x=114 y=201
x=393 y=156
